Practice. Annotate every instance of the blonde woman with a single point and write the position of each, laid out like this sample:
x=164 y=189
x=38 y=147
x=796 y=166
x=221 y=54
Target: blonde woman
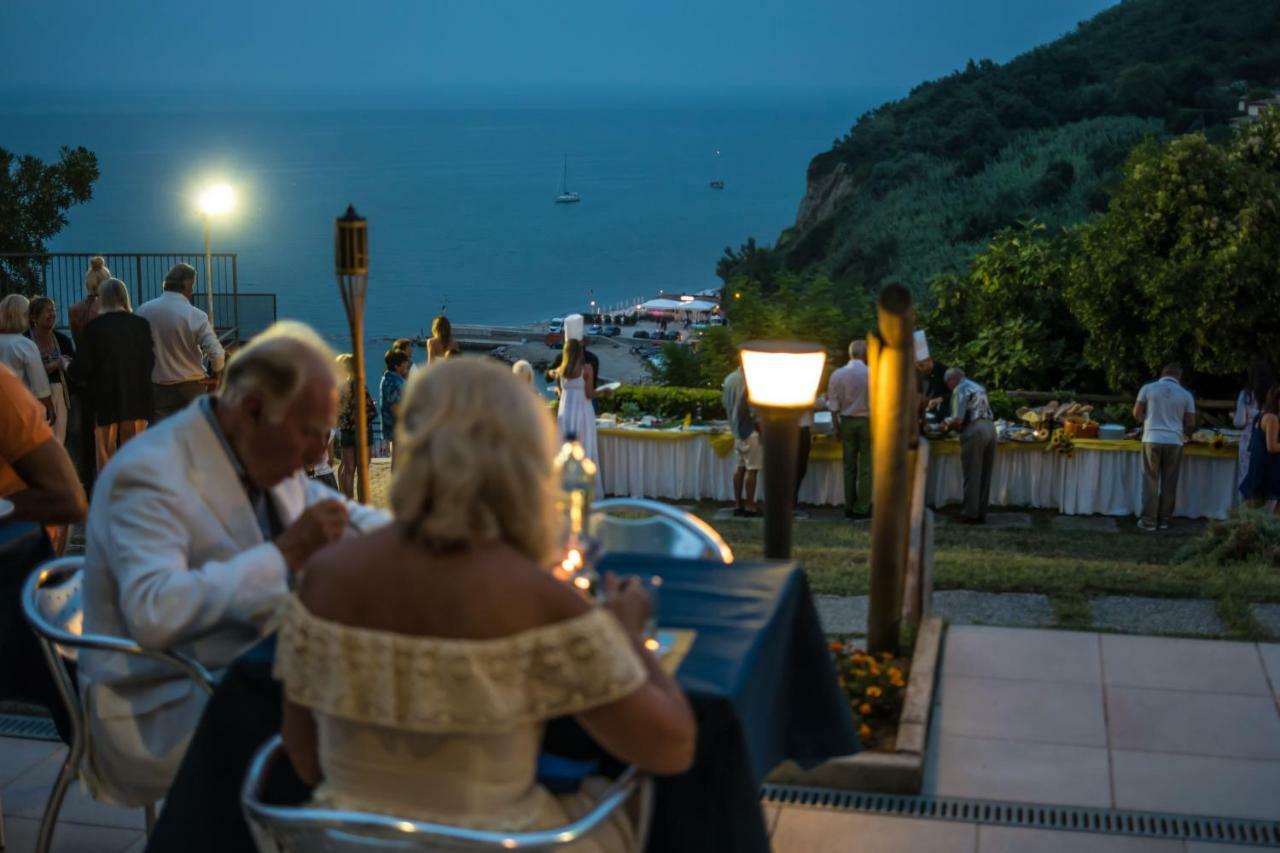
x=524 y=370
x=347 y=424
x=427 y=656
x=441 y=345
x=79 y=314
x=20 y=354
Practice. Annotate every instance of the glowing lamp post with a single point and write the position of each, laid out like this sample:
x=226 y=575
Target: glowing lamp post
x=782 y=382
x=215 y=200
x=351 y=264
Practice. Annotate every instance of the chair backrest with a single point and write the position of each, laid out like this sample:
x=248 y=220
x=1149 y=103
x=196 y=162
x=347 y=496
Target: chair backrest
x=650 y=527
x=284 y=829
x=53 y=605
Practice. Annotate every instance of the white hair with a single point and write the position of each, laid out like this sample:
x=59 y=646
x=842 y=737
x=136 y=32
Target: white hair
x=114 y=295
x=277 y=365
x=953 y=373
x=524 y=370
x=14 y=314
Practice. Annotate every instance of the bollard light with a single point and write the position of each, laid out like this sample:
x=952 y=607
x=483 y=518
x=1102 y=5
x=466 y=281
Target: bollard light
x=782 y=383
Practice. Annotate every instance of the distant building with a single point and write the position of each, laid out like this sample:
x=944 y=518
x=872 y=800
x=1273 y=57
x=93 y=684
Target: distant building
x=1251 y=109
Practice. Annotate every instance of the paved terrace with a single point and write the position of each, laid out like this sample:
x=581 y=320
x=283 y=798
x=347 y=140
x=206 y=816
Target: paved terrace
x=1053 y=717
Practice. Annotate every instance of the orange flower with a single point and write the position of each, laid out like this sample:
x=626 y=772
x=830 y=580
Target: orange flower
x=864 y=730
x=860 y=673
x=836 y=646
x=874 y=692
x=886 y=656
x=875 y=668
x=894 y=672
x=864 y=709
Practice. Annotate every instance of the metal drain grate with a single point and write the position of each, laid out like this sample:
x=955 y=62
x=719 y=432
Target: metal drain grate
x=1064 y=818
x=28 y=728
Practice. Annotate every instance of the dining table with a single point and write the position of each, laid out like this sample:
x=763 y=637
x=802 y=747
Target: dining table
x=757 y=673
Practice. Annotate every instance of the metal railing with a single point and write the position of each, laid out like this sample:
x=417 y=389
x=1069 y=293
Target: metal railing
x=60 y=276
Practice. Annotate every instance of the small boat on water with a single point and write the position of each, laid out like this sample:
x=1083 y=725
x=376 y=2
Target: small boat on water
x=716 y=182
x=566 y=196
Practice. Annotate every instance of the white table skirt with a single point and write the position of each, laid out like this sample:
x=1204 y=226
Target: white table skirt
x=1089 y=482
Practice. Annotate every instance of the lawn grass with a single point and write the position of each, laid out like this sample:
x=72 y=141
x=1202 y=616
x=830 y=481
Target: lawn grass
x=1070 y=566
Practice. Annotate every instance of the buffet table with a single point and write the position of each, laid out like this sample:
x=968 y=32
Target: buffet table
x=1098 y=477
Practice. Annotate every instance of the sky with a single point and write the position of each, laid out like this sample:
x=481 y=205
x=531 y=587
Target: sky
x=466 y=49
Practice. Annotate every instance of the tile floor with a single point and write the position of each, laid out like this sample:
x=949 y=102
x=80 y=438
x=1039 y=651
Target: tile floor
x=1170 y=725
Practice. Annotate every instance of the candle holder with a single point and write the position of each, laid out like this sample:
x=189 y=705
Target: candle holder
x=351 y=264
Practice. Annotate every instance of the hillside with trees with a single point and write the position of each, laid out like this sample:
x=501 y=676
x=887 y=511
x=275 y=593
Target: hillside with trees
x=1069 y=220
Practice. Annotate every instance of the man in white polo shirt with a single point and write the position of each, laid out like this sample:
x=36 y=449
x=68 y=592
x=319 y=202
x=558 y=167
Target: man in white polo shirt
x=184 y=341
x=1168 y=414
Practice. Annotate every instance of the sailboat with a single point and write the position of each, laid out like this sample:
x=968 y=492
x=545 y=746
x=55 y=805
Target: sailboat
x=566 y=197
x=716 y=182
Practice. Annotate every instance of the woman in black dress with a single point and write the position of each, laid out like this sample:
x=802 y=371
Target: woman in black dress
x=113 y=367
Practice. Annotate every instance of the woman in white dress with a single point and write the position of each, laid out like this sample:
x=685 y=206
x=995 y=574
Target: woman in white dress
x=576 y=417
x=421 y=662
x=1248 y=404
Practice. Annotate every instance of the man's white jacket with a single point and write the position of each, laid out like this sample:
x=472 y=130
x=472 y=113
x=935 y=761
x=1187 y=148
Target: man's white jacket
x=176 y=561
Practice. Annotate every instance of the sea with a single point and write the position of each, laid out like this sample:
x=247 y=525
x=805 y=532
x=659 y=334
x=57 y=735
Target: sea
x=459 y=200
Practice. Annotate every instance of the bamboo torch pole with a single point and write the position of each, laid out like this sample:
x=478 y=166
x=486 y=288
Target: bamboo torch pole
x=351 y=262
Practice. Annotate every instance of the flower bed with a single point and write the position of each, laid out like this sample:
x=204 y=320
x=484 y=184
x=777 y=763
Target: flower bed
x=876 y=688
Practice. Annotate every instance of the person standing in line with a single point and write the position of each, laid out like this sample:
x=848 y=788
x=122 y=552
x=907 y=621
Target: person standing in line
x=56 y=351
x=20 y=354
x=80 y=314
x=184 y=341
x=848 y=399
x=113 y=368
x=390 y=392
x=1248 y=406
x=1167 y=412
x=746 y=436
x=971 y=415
x=441 y=344
x=347 y=423
x=1261 y=484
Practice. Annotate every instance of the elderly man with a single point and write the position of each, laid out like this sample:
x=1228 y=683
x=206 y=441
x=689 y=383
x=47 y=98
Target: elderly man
x=1167 y=412
x=847 y=398
x=971 y=415
x=195 y=531
x=184 y=340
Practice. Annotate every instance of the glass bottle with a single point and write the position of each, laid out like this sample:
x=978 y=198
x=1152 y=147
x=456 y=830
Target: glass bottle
x=577 y=479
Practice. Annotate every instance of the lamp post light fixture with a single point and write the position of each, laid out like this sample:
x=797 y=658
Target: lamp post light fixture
x=214 y=200
x=351 y=264
x=782 y=383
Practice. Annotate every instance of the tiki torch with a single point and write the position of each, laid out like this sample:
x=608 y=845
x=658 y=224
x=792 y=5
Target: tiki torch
x=351 y=262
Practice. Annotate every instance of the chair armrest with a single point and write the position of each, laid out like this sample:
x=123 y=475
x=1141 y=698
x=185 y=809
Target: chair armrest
x=54 y=571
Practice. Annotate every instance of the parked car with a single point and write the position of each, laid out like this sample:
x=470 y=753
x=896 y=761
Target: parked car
x=595 y=330
x=670 y=336
x=640 y=333
x=611 y=331
x=556 y=327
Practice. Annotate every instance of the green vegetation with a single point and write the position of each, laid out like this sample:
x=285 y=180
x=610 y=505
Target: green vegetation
x=34 y=198
x=1068 y=566
x=664 y=402
x=1092 y=233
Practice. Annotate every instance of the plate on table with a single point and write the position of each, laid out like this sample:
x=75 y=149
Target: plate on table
x=6 y=508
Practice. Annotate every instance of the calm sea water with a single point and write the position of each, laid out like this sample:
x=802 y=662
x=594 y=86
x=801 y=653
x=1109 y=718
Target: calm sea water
x=459 y=202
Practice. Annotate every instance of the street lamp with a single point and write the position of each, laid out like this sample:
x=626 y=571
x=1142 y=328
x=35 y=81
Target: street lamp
x=351 y=264
x=214 y=200
x=782 y=382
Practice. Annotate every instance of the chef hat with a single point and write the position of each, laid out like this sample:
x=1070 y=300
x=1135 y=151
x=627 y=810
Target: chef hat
x=573 y=325
x=922 y=345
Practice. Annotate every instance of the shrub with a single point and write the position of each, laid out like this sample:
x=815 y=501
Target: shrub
x=665 y=402
x=1247 y=535
x=875 y=688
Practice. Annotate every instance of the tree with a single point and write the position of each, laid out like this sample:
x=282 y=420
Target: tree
x=34 y=198
x=1184 y=264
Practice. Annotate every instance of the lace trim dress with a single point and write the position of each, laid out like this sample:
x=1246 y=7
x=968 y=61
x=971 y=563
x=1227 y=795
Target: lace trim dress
x=448 y=731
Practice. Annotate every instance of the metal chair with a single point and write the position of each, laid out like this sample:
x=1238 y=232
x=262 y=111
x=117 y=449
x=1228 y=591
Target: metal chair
x=285 y=829
x=53 y=605
x=650 y=527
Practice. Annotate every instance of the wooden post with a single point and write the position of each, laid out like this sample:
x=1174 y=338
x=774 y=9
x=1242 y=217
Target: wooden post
x=893 y=414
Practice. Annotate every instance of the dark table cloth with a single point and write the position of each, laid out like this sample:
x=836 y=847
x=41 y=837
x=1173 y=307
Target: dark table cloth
x=758 y=676
x=23 y=546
